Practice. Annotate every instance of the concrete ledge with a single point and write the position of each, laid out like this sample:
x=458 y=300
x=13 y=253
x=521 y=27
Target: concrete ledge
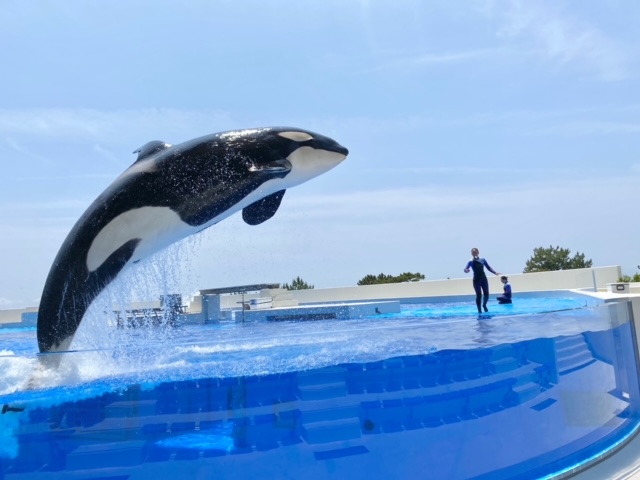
x=448 y=290
x=334 y=311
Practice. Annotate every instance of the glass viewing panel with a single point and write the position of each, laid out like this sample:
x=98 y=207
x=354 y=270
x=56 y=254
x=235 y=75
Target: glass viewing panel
x=497 y=409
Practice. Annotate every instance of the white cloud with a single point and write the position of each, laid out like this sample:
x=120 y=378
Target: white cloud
x=466 y=170
x=107 y=154
x=107 y=131
x=15 y=146
x=525 y=121
x=82 y=176
x=425 y=60
x=582 y=128
x=558 y=37
x=69 y=204
x=110 y=126
x=545 y=198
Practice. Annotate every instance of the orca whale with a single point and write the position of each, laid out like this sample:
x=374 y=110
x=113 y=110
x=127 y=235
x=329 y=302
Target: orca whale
x=167 y=194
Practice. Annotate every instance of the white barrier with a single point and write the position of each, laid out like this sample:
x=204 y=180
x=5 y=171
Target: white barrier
x=583 y=278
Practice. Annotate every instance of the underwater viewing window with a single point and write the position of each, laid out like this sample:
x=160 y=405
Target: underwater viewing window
x=532 y=407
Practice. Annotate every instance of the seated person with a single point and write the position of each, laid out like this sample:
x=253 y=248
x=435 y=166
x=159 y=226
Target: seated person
x=506 y=296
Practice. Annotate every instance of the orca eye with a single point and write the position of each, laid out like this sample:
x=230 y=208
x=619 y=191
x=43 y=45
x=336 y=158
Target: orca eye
x=296 y=136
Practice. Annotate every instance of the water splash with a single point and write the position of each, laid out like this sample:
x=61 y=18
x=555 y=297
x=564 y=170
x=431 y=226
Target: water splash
x=152 y=278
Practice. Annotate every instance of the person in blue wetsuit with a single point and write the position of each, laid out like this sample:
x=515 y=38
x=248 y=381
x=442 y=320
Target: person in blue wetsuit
x=480 y=281
x=506 y=296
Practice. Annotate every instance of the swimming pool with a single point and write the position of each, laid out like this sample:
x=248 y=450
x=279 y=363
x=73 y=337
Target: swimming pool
x=540 y=387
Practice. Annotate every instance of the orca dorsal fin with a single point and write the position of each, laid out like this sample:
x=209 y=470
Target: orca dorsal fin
x=151 y=148
x=263 y=209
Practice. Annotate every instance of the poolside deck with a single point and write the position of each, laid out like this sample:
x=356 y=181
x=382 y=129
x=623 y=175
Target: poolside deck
x=335 y=311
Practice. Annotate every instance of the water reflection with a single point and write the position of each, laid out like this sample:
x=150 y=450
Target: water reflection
x=484 y=328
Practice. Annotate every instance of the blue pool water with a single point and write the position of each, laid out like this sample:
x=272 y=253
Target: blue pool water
x=261 y=348
x=542 y=385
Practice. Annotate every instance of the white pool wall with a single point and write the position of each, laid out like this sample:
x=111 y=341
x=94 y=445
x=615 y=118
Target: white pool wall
x=455 y=289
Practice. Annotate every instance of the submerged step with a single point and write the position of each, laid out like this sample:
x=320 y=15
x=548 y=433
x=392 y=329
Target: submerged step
x=322 y=391
x=321 y=376
x=332 y=430
x=575 y=361
x=571 y=349
x=526 y=392
x=330 y=414
x=504 y=365
x=567 y=342
x=106 y=455
x=138 y=408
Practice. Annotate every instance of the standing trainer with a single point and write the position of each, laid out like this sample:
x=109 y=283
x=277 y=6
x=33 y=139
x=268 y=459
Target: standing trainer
x=480 y=281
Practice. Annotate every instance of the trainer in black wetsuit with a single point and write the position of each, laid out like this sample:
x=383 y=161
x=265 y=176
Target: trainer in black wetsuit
x=506 y=296
x=480 y=281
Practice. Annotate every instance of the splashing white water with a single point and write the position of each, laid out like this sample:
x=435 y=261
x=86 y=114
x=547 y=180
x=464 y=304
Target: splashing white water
x=14 y=370
x=164 y=273
x=139 y=286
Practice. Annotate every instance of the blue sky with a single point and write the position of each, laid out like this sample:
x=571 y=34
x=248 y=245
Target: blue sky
x=501 y=124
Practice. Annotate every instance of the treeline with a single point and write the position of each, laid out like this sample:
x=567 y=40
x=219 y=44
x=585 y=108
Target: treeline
x=543 y=260
x=299 y=284
x=383 y=278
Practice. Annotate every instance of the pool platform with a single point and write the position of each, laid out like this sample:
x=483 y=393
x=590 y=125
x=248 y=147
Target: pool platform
x=335 y=311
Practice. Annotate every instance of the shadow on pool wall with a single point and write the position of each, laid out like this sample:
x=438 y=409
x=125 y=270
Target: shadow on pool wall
x=519 y=410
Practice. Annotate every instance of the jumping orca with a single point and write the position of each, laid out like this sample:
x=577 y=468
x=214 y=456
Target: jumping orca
x=169 y=193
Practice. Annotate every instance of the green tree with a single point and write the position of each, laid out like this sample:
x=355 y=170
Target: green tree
x=383 y=278
x=628 y=278
x=548 y=259
x=297 y=284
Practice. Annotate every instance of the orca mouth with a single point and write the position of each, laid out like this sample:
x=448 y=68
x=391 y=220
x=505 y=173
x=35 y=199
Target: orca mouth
x=338 y=149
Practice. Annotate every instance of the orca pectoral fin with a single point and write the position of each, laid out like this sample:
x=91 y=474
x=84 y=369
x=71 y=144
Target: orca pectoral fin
x=262 y=210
